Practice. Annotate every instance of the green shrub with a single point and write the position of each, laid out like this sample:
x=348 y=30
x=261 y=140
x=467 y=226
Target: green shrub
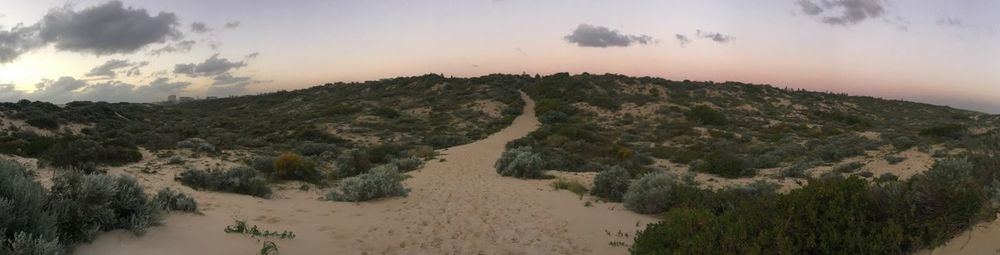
x=706 y=116
x=240 y=180
x=520 y=162
x=724 y=165
x=352 y=162
x=652 y=193
x=43 y=122
x=84 y=151
x=313 y=148
x=171 y=200
x=26 y=244
x=950 y=131
x=848 y=168
x=381 y=181
x=670 y=236
x=88 y=204
x=611 y=183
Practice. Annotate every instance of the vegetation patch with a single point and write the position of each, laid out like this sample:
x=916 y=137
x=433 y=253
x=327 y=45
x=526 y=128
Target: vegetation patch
x=240 y=180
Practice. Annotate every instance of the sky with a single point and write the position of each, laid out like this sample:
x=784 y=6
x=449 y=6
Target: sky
x=940 y=52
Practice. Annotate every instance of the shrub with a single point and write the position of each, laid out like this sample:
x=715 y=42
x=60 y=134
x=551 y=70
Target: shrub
x=171 y=200
x=87 y=204
x=314 y=148
x=848 y=168
x=573 y=186
x=797 y=170
x=706 y=116
x=26 y=222
x=43 y=122
x=84 y=151
x=352 y=162
x=240 y=180
x=381 y=181
x=422 y=151
x=291 y=166
x=951 y=131
x=520 y=162
x=724 y=165
x=653 y=193
x=611 y=183
x=893 y=159
x=407 y=164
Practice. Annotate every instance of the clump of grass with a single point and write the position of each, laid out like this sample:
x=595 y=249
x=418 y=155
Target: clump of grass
x=241 y=227
x=269 y=248
x=570 y=185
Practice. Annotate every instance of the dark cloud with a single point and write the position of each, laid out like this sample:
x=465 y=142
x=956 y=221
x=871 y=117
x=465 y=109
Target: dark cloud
x=211 y=66
x=587 y=35
x=252 y=55
x=717 y=37
x=519 y=50
x=18 y=40
x=182 y=46
x=843 y=12
x=110 y=68
x=107 y=29
x=232 y=24
x=682 y=39
x=200 y=27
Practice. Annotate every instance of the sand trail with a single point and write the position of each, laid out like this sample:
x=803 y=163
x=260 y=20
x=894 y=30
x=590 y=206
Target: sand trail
x=458 y=205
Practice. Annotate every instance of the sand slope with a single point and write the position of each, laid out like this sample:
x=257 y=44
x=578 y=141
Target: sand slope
x=457 y=206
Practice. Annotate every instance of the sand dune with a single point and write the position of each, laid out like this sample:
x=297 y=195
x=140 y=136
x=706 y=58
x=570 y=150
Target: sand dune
x=457 y=206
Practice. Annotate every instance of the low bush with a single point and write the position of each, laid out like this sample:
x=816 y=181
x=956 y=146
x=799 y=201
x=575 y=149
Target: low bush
x=652 y=193
x=291 y=166
x=407 y=164
x=892 y=160
x=848 y=168
x=520 y=162
x=829 y=215
x=611 y=183
x=950 y=131
x=88 y=204
x=352 y=162
x=240 y=180
x=381 y=181
x=27 y=226
x=241 y=227
x=171 y=200
x=724 y=165
x=706 y=116
x=84 y=151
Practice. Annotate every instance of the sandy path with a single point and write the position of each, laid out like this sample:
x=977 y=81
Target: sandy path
x=457 y=206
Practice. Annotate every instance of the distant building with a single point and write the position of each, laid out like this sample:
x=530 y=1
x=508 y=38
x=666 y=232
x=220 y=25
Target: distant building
x=172 y=99
x=187 y=99
x=210 y=98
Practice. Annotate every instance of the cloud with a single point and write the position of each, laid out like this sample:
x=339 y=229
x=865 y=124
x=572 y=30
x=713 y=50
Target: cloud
x=587 y=35
x=229 y=79
x=18 y=40
x=232 y=24
x=211 y=66
x=110 y=68
x=107 y=29
x=182 y=46
x=68 y=89
x=200 y=27
x=683 y=39
x=717 y=37
x=252 y=55
x=843 y=12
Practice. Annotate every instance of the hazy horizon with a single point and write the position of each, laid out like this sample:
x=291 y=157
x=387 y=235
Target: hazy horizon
x=924 y=51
